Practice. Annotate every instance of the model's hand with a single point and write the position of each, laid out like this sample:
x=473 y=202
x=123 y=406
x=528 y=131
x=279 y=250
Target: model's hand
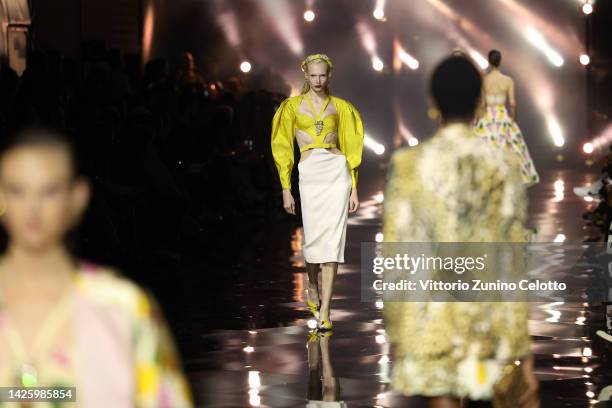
x=288 y=203
x=353 y=201
x=531 y=398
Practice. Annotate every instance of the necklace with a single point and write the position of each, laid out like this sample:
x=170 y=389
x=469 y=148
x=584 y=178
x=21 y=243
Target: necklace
x=318 y=122
x=25 y=372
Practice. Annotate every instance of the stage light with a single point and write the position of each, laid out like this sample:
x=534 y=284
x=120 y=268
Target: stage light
x=406 y=58
x=254 y=398
x=555 y=130
x=228 y=23
x=309 y=15
x=379 y=10
x=254 y=379
x=413 y=141
x=282 y=19
x=373 y=145
x=147 y=32
x=559 y=187
x=587 y=148
x=379 y=237
x=480 y=60
x=585 y=59
x=381 y=339
x=377 y=64
x=366 y=35
x=587 y=8
x=245 y=66
x=559 y=238
x=541 y=44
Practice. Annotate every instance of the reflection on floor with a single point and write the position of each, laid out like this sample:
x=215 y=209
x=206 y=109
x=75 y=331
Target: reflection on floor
x=245 y=340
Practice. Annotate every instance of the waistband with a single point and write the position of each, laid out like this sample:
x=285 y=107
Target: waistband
x=315 y=145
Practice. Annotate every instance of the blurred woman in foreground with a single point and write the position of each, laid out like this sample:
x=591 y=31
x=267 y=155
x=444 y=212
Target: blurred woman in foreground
x=65 y=322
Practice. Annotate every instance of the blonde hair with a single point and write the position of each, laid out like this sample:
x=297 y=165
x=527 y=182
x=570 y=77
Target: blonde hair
x=314 y=58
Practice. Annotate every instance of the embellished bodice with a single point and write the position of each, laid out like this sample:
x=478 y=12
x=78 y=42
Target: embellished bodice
x=323 y=130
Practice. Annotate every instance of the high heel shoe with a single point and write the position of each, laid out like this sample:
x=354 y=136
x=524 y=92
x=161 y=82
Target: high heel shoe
x=325 y=325
x=313 y=336
x=313 y=308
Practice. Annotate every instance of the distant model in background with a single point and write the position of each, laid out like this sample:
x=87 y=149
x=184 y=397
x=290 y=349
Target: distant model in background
x=497 y=125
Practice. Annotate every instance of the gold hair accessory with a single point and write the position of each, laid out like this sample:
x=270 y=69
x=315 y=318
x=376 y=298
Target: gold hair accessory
x=315 y=57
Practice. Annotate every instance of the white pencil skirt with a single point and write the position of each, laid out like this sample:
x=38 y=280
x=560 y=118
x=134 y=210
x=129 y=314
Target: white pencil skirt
x=325 y=188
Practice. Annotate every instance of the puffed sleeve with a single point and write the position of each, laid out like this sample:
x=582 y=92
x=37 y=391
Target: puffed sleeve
x=282 y=141
x=159 y=376
x=350 y=134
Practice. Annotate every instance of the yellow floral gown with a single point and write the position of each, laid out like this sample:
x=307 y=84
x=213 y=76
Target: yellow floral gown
x=454 y=188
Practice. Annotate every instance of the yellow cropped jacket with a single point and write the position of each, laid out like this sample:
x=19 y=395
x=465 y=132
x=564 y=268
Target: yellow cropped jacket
x=350 y=137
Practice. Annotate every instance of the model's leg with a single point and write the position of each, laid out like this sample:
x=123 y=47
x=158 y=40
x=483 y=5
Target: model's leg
x=331 y=390
x=329 y=270
x=313 y=282
x=314 y=378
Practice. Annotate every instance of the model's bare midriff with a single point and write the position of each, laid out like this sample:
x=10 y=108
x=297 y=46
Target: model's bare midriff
x=304 y=139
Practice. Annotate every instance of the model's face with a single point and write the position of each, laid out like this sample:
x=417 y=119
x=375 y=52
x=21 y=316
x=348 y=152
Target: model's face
x=317 y=75
x=41 y=197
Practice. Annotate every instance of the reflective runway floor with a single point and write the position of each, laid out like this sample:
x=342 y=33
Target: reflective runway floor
x=244 y=330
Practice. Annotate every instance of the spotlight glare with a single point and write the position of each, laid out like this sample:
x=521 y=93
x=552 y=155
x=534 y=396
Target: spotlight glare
x=555 y=130
x=379 y=237
x=413 y=141
x=309 y=15
x=480 y=60
x=588 y=148
x=377 y=64
x=585 y=59
x=245 y=66
x=379 y=14
x=587 y=8
x=373 y=145
x=254 y=379
x=538 y=41
x=559 y=238
x=406 y=58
